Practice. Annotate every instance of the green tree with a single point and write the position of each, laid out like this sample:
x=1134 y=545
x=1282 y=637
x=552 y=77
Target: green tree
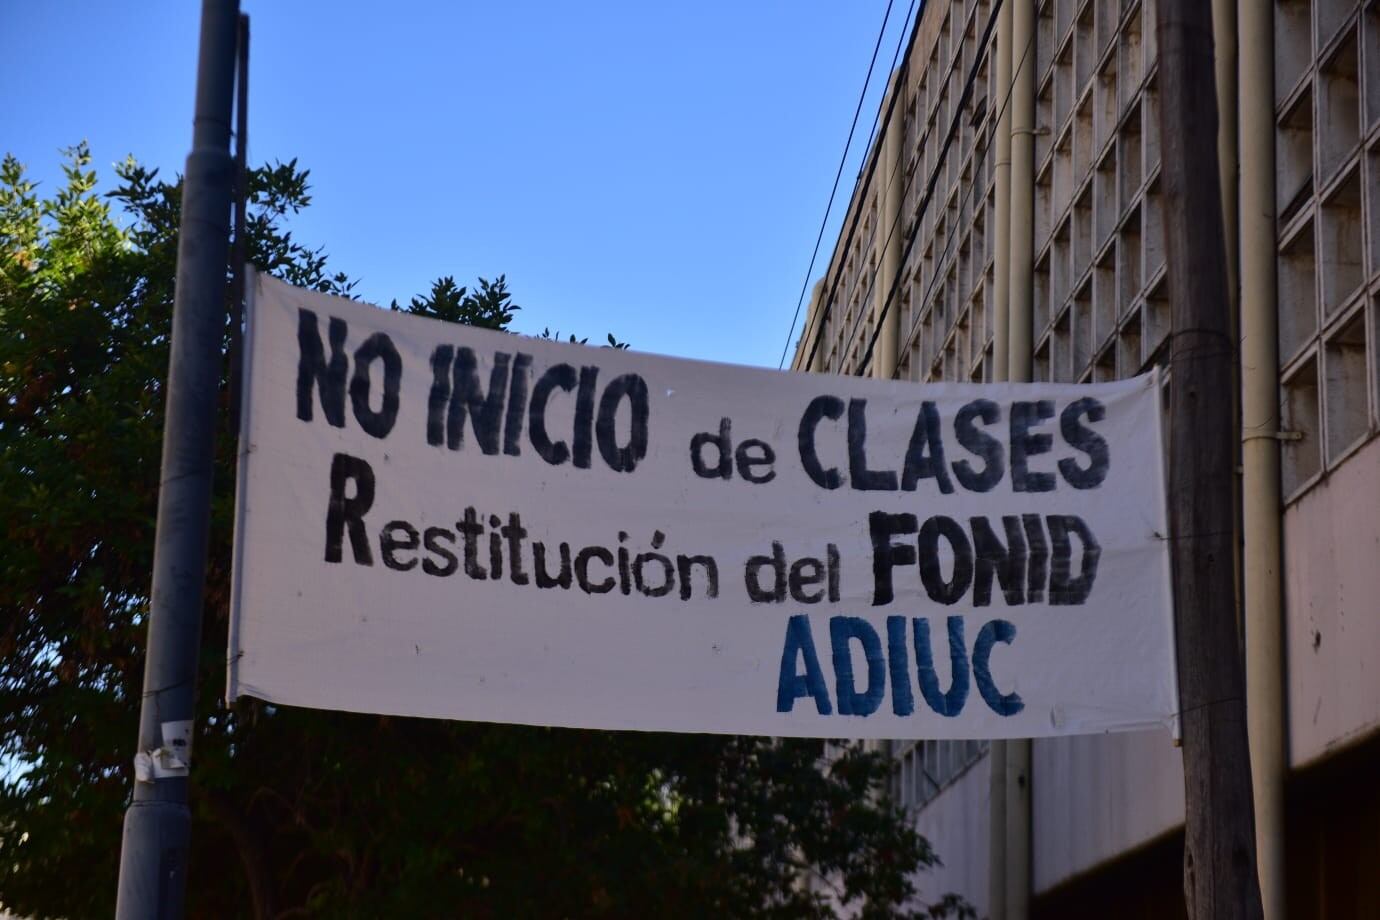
x=325 y=813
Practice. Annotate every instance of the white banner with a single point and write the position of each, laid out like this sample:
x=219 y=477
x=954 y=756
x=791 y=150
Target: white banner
x=441 y=521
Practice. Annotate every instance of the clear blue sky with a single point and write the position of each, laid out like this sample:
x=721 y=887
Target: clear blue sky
x=656 y=170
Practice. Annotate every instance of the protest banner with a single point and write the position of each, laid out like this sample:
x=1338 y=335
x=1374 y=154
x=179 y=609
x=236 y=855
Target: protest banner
x=441 y=521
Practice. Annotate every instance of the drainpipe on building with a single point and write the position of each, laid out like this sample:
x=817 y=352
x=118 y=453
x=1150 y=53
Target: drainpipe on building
x=1018 y=829
x=1020 y=339
x=811 y=331
x=1022 y=231
x=996 y=843
x=1261 y=500
x=1001 y=327
x=888 y=191
x=889 y=231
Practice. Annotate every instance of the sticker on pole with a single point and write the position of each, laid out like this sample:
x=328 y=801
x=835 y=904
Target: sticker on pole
x=435 y=520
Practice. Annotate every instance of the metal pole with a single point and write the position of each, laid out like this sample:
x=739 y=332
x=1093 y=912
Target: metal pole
x=239 y=253
x=157 y=829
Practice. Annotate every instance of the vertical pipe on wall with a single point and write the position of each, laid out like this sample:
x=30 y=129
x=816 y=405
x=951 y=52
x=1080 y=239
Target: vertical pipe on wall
x=809 y=332
x=1021 y=255
x=1018 y=827
x=1022 y=230
x=1261 y=501
x=891 y=176
x=1001 y=316
x=996 y=844
x=814 y=315
x=1001 y=327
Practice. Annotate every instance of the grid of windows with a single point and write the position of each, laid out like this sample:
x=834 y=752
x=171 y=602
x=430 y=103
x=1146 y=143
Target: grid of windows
x=1100 y=299
x=1327 y=152
x=1100 y=306
x=1101 y=310
x=945 y=326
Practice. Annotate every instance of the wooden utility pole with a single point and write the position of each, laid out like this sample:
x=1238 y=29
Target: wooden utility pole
x=1219 y=837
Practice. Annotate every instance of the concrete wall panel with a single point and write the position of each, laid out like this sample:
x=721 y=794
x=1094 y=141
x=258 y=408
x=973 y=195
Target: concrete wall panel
x=1097 y=796
x=1332 y=608
x=955 y=823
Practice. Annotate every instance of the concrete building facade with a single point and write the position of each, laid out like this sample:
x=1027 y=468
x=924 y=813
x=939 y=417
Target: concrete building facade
x=1009 y=225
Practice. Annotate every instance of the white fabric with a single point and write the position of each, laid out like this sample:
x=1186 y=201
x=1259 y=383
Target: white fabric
x=343 y=635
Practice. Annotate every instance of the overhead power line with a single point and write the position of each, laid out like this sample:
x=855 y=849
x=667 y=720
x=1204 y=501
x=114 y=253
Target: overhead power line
x=837 y=175
x=876 y=117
